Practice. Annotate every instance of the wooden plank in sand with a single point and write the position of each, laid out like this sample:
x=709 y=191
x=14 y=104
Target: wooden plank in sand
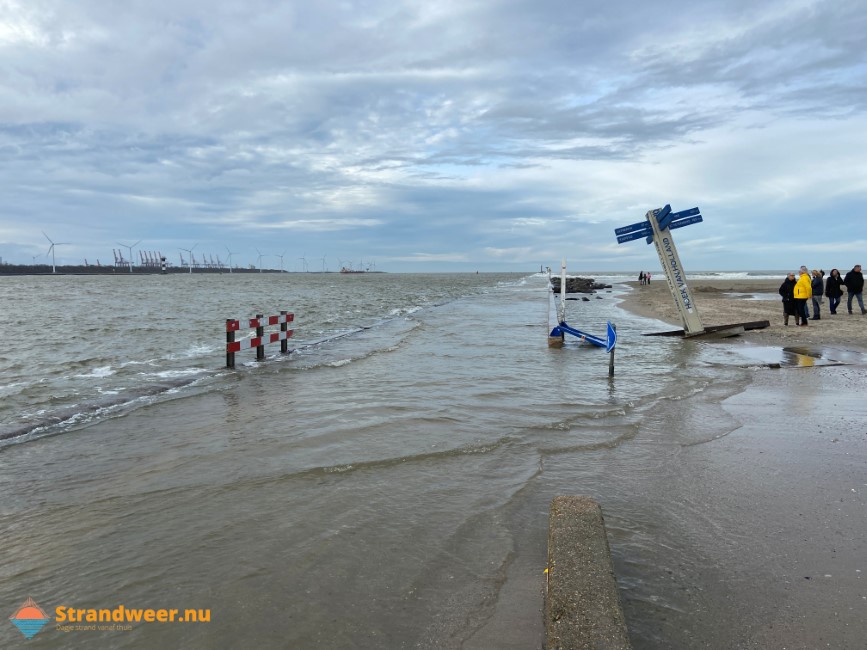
x=719 y=329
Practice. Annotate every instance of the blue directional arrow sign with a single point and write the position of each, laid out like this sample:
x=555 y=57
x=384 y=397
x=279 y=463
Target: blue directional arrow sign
x=641 y=225
x=685 y=222
x=684 y=213
x=664 y=217
x=666 y=220
x=638 y=234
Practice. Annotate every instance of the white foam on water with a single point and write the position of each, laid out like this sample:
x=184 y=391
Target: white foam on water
x=14 y=388
x=102 y=371
x=405 y=311
x=147 y=362
x=168 y=374
x=194 y=351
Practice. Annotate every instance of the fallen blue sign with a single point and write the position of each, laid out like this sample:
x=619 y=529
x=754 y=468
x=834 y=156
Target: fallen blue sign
x=608 y=342
x=611 y=338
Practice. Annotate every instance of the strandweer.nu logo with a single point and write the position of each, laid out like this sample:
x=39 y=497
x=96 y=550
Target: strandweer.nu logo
x=30 y=618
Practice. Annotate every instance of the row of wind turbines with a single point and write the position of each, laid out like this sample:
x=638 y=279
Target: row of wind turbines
x=55 y=244
x=189 y=251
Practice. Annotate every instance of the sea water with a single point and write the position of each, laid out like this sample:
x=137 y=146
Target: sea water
x=385 y=485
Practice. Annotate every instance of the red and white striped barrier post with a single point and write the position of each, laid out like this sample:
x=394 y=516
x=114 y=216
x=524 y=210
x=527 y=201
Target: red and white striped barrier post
x=231 y=327
x=284 y=327
x=261 y=339
x=260 y=332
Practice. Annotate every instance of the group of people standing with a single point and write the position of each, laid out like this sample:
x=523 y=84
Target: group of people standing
x=809 y=288
x=643 y=278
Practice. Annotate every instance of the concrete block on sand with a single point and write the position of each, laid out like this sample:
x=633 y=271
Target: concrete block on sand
x=582 y=605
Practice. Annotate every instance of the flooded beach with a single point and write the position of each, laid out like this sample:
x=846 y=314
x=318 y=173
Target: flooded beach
x=390 y=488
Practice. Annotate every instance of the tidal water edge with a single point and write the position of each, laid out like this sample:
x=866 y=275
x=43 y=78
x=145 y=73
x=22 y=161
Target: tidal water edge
x=388 y=488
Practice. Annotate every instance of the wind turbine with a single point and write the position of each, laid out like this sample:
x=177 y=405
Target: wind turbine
x=190 y=251
x=281 y=261
x=303 y=263
x=323 y=264
x=130 y=252
x=51 y=250
x=260 y=259
x=230 y=258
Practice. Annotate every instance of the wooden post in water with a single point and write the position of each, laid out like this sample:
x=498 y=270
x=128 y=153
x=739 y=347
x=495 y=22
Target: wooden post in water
x=230 y=338
x=611 y=356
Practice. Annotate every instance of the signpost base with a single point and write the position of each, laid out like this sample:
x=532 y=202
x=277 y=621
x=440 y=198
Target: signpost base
x=718 y=331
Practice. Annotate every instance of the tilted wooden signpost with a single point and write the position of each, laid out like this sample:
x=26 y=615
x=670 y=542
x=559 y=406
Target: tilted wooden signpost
x=657 y=230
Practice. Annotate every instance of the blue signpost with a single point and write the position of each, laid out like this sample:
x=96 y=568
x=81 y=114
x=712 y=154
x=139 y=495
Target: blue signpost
x=657 y=229
x=641 y=225
x=638 y=234
x=558 y=332
x=685 y=222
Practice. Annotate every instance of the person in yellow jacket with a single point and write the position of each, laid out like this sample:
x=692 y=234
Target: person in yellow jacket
x=803 y=292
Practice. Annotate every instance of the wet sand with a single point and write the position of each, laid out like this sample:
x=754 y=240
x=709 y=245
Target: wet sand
x=786 y=491
x=723 y=302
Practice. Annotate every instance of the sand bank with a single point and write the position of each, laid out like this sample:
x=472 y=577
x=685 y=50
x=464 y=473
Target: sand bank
x=721 y=302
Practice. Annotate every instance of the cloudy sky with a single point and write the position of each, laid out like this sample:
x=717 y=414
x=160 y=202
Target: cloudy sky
x=434 y=136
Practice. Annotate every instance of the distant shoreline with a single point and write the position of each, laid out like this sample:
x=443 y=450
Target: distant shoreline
x=19 y=270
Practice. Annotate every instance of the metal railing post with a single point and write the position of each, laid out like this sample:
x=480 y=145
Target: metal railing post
x=284 y=326
x=260 y=332
x=230 y=338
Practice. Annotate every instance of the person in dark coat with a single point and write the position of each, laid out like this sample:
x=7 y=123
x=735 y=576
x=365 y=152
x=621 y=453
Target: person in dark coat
x=787 y=291
x=834 y=290
x=818 y=284
x=854 y=282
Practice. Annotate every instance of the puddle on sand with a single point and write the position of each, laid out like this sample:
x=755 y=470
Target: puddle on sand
x=803 y=356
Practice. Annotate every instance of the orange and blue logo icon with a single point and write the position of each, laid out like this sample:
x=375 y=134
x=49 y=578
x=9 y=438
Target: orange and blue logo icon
x=30 y=618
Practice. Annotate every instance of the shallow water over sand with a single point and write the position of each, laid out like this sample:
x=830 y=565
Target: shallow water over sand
x=391 y=488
